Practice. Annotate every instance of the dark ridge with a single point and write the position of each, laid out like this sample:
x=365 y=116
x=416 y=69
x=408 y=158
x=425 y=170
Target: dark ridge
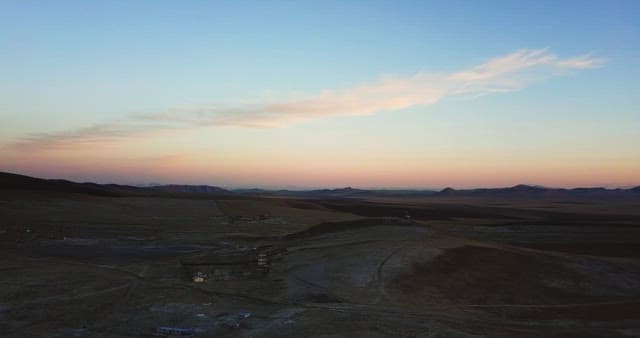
x=332 y=227
x=304 y=204
x=523 y=190
x=347 y=192
x=517 y=191
x=200 y=189
x=253 y=191
x=15 y=181
x=439 y=212
x=10 y=181
x=514 y=216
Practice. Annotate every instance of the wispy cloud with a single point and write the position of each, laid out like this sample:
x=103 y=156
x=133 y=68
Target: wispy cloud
x=498 y=75
x=98 y=133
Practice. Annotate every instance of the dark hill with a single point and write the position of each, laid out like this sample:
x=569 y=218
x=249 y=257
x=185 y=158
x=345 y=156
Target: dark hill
x=523 y=190
x=21 y=182
x=347 y=192
x=200 y=189
x=9 y=181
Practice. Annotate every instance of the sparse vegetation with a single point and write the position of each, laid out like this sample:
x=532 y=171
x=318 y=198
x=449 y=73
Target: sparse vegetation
x=77 y=263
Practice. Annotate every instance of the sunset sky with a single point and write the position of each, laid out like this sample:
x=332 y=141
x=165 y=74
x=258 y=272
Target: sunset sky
x=304 y=94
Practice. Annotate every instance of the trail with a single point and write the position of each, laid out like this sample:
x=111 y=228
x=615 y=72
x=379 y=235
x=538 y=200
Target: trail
x=379 y=278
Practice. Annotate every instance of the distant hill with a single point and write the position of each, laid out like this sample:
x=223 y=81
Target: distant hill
x=201 y=189
x=523 y=190
x=517 y=191
x=22 y=182
x=347 y=192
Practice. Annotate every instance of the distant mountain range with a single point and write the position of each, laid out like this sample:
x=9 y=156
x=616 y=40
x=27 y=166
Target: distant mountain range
x=523 y=190
x=22 y=182
x=200 y=189
x=518 y=191
x=347 y=192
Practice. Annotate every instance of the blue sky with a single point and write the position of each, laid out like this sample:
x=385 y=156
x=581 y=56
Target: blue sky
x=69 y=65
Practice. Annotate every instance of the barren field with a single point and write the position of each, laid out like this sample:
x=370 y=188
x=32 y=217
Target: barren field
x=78 y=265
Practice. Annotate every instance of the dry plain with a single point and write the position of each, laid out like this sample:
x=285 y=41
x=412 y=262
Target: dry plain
x=82 y=265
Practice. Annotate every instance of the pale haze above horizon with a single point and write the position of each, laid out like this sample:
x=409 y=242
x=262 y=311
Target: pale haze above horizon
x=402 y=94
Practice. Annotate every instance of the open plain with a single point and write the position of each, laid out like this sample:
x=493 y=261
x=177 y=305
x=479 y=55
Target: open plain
x=77 y=264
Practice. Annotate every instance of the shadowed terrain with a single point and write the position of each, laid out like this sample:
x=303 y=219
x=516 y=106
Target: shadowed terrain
x=104 y=260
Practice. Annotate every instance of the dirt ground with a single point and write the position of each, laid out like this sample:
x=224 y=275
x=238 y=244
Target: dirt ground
x=74 y=265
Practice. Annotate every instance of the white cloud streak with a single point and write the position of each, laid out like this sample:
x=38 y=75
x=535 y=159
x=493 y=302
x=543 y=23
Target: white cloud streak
x=498 y=75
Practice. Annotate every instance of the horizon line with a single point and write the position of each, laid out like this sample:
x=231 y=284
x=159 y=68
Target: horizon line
x=311 y=187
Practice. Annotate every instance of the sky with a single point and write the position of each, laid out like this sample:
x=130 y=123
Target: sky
x=370 y=94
